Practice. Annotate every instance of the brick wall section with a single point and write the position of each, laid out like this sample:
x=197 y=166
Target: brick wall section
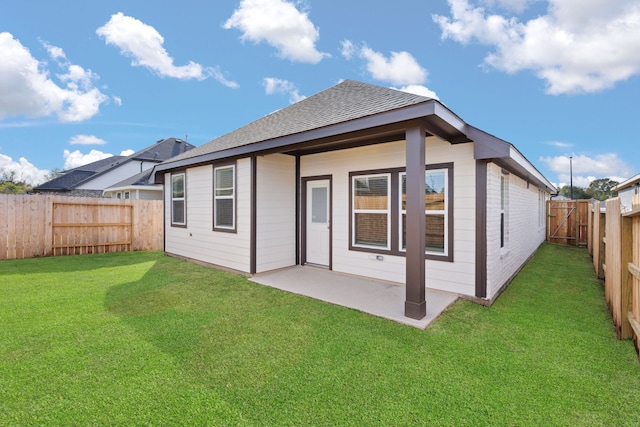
x=524 y=230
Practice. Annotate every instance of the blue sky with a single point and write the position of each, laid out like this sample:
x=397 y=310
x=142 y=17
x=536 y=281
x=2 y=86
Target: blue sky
x=82 y=80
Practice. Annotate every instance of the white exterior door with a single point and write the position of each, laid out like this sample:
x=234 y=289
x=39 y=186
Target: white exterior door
x=318 y=222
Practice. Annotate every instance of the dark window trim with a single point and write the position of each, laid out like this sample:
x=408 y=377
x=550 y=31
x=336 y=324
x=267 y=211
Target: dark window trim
x=504 y=209
x=235 y=196
x=174 y=173
x=395 y=212
x=481 y=228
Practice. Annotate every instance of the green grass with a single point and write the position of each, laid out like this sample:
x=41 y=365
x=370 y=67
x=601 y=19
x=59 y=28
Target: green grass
x=144 y=339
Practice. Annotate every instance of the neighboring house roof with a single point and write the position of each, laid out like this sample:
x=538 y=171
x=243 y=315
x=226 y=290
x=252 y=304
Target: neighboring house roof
x=141 y=178
x=71 y=178
x=634 y=180
x=156 y=153
x=139 y=181
x=350 y=113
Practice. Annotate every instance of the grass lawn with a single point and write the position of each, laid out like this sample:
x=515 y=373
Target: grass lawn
x=144 y=339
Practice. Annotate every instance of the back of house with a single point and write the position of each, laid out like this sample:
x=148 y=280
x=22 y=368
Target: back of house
x=363 y=180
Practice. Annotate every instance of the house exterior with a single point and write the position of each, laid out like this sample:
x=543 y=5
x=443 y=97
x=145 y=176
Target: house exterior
x=93 y=179
x=363 y=180
x=626 y=190
x=135 y=187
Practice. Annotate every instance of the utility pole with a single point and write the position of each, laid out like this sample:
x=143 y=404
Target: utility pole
x=571 y=175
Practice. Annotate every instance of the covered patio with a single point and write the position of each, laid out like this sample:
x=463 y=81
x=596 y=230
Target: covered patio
x=375 y=297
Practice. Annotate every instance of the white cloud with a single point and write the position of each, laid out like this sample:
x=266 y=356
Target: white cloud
x=86 y=140
x=585 y=169
x=559 y=144
x=401 y=68
x=56 y=53
x=418 y=90
x=511 y=5
x=273 y=85
x=280 y=24
x=144 y=44
x=578 y=46
x=74 y=159
x=26 y=87
x=347 y=49
x=118 y=101
x=23 y=170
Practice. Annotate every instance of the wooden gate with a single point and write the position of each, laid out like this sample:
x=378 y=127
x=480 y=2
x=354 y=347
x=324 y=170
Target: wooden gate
x=567 y=222
x=33 y=225
x=80 y=228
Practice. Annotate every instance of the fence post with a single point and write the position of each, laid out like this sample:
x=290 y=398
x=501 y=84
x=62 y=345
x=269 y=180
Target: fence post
x=548 y=220
x=602 y=221
x=626 y=282
x=4 y=226
x=48 y=229
x=590 y=229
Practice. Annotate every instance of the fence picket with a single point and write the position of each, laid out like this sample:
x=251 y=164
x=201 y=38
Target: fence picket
x=37 y=225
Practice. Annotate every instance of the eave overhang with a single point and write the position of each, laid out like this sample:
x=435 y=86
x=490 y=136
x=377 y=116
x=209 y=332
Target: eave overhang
x=634 y=180
x=437 y=119
x=489 y=147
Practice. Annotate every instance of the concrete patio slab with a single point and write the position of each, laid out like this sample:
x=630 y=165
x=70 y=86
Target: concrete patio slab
x=382 y=299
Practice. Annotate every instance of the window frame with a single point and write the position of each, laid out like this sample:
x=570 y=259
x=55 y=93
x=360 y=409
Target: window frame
x=232 y=197
x=395 y=214
x=175 y=199
x=504 y=212
x=444 y=212
x=354 y=212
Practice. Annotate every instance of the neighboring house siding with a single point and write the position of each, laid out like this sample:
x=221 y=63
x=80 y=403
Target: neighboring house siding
x=149 y=194
x=626 y=197
x=197 y=240
x=524 y=231
x=276 y=212
x=457 y=276
x=135 y=193
x=117 y=174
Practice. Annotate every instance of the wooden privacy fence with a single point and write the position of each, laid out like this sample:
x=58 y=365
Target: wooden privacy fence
x=615 y=246
x=38 y=225
x=567 y=222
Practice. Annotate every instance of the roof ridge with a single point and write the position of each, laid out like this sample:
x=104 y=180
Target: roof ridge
x=343 y=102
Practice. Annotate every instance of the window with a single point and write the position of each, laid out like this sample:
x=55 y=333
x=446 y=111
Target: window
x=542 y=208
x=178 y=213
x=127 y=195
x=371 y=209
x=224 y=198
x=118 y=195
x=436 y=202
x=504 y=194
x=378 y=211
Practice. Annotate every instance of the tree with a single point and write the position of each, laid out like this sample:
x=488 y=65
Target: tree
x=578 y=192
x=10 y=184
x=55 y=172
x=602 y=189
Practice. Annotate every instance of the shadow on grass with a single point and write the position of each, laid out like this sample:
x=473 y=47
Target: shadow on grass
x=219 y=326
x=74 y=263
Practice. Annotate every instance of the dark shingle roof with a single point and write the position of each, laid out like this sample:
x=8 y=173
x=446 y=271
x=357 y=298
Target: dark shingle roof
x=343 y=102
x=71 y=178
x=162 y=150
x=158 y=152
x=139 y=179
